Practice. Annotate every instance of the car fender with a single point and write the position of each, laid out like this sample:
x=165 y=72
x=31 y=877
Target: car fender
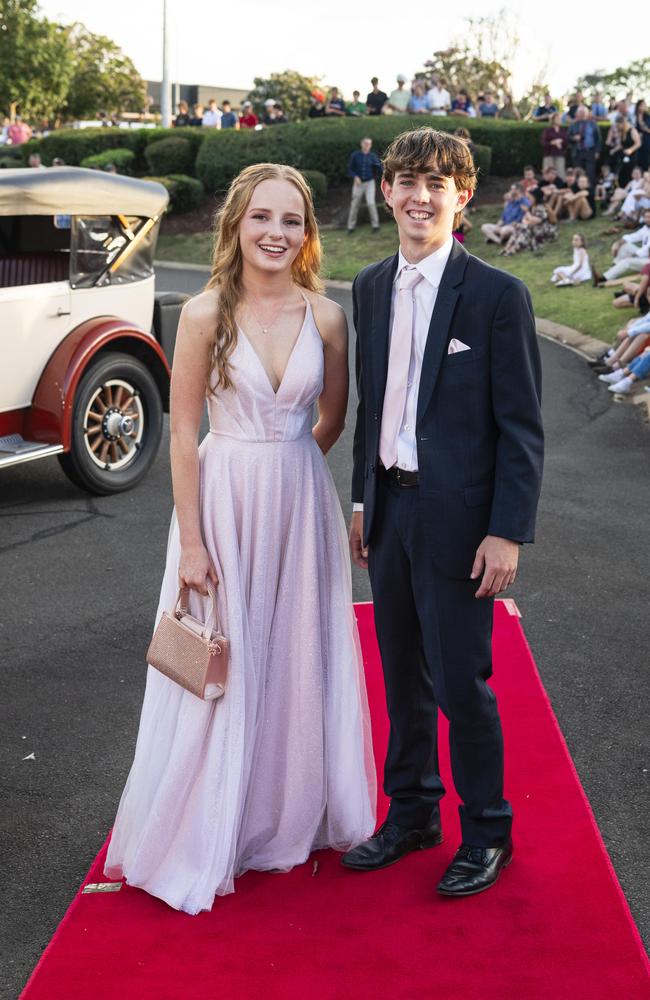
x=50 y=416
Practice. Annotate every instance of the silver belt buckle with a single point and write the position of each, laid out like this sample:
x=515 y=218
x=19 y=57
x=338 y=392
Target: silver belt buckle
x=397 y=475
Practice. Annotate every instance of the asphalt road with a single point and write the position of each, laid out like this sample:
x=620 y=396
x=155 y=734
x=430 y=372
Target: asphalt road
x=80 y=587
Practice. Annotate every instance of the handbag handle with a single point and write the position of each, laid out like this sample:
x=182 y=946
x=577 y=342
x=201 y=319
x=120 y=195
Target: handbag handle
x=182 y=608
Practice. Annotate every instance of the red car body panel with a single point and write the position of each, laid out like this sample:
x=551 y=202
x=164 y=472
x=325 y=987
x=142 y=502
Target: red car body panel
x=49 y=418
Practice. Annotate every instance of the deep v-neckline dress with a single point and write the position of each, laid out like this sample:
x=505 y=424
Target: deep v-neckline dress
x=282 y=764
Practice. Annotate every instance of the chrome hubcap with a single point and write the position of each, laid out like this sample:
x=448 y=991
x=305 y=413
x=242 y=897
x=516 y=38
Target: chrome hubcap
x=114 y=425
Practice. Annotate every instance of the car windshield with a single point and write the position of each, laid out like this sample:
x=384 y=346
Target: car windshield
x=111 y=249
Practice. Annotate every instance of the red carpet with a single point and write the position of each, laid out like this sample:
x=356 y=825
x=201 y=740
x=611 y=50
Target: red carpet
x=557 y=926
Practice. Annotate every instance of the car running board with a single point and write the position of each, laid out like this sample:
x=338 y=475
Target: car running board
x=14 y=449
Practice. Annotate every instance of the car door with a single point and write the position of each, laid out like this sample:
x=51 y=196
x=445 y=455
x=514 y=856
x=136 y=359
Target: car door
x=34 y=319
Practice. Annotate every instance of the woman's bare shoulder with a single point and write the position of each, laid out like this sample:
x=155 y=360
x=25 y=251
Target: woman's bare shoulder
x=329 y=316
x=199 y=313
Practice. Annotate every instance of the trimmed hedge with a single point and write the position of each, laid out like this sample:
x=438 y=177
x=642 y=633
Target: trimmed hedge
x=170 y=156
x=502 y=147
x=122 y=158
x=185 y=193
x=317 y=182
x=10 y=163
x=73 y=144
x=323 y=145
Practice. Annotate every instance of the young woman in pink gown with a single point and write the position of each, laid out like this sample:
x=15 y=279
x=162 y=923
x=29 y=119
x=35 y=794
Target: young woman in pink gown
x=282 y=764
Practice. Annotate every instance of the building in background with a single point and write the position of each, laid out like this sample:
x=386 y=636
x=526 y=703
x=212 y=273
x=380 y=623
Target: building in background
x=195 y=93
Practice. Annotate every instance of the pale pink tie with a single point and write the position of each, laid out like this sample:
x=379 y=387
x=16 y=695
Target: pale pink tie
x=399 y=360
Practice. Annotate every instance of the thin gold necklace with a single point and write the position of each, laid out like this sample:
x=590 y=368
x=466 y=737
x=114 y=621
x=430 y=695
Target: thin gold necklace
x=266 y=327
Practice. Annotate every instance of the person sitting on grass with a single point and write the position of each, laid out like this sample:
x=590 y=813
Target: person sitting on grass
x=623 y=381
x=605 y=186
x=627 y=255
x=576 y=202
x=514 y=209
x=620 y=195
x=529 y=180
x=635 y=294
x=573 y=175
x=529 y=234
x=631 y=340
x=637 y=200
x=579 y=270
x=549 y=191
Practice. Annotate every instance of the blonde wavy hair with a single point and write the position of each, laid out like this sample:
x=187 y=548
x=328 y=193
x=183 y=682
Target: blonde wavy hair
x=227 y=259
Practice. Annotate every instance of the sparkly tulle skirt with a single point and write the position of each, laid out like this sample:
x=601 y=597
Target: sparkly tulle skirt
x=282 y=764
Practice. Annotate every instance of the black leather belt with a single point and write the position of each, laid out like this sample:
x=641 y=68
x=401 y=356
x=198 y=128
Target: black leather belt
x=400 y=477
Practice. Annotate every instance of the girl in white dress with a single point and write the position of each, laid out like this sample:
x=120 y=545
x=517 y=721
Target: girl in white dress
x=579 y=270
x=282 y=764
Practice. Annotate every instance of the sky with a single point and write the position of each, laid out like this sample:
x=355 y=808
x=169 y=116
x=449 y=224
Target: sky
x=227 y=44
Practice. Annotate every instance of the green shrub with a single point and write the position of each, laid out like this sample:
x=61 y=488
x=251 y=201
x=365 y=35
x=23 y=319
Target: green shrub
x=122 y=158
x=12 y=153
x=185 y=193
x=317 y=182
x=323 y=145
x=10 y=163
x=170 y=156
x=74 y=145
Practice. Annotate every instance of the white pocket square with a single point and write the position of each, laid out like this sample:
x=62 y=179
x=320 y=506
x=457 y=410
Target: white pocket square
x=455 y=346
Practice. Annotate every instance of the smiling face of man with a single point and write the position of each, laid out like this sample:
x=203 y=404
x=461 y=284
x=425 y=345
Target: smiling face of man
x=424 y=204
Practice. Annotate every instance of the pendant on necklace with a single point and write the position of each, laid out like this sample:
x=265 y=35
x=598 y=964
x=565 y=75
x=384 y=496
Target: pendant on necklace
x=265 y=329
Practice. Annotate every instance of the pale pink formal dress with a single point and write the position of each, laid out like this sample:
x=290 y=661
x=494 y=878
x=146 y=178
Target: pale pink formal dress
x=282 y=764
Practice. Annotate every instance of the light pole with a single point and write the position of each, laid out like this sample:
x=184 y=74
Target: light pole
x=165 y=86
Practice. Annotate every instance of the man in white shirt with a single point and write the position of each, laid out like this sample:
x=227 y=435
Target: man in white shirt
x=212 y=117
x=446 y=476
x=398 y=99
x=439 y=98
x=633 y=251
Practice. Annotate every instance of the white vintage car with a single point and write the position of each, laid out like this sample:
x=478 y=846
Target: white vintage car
x=83 y=374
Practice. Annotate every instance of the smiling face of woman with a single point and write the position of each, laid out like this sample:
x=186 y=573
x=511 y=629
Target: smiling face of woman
x=272 y=229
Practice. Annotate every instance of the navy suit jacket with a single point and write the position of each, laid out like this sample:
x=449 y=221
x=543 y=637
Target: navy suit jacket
x=479 y=428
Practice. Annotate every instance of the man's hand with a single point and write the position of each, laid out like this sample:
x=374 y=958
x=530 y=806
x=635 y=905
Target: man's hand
x=357 y=551
x=496 y=558
x=357 y=181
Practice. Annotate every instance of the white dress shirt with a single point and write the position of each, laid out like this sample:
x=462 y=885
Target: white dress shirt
x=424 y=300
x=439 y=100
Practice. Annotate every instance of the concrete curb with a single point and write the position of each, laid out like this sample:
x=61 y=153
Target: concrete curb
x=589 y=348
x=582 y=343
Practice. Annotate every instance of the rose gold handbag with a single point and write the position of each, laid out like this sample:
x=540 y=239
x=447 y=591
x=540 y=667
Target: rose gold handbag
x=192 y=653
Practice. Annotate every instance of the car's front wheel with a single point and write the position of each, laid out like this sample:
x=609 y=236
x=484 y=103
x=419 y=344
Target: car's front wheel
x=116 y=426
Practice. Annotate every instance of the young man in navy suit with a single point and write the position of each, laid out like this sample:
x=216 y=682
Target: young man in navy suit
x=448 y=453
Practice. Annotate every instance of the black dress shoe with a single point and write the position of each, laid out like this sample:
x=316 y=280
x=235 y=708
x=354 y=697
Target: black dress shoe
x=389 y=844
x=474 y=869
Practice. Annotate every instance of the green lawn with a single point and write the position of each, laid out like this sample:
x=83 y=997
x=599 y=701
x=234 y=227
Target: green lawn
x=585 y=308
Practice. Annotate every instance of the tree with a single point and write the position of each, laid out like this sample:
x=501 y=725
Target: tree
x=634 y=77
x=103 y=78
x=479 y=58
x=50 y=70
x=35 y=70
x=291 y=89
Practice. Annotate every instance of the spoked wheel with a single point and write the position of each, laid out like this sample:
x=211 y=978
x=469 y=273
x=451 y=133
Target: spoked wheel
x=116 y=426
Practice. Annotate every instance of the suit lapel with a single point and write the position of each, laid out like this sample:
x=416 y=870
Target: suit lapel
x=438 y=334
x=380 y=325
